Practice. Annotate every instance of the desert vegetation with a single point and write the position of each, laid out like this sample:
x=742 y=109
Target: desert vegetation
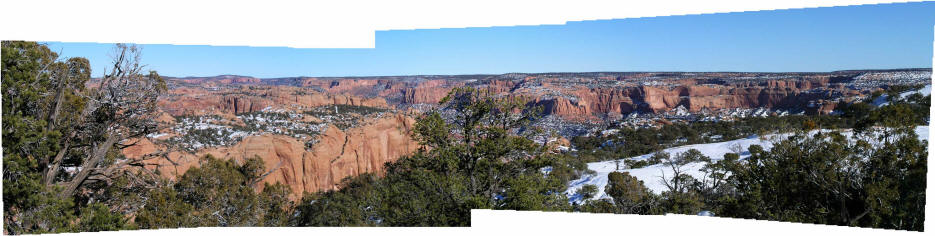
x=63 y=169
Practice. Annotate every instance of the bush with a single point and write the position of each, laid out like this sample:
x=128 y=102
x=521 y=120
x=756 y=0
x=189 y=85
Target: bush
x=587 y=191
x=218 y=193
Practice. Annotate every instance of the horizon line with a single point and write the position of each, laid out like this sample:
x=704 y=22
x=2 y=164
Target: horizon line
x=556 y=72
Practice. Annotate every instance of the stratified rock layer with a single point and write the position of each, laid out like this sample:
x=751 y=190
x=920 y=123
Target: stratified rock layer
x=337 y=155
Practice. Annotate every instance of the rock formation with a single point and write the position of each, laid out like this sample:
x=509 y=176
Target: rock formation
x=584 y=97
x=337 y=155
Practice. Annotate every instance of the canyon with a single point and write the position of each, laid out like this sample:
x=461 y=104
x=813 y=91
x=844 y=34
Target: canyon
x=596 y=94
x=312 y=132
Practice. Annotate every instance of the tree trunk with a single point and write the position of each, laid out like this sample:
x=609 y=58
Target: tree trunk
x=858 y=217
x=52 y=117
x=57 y=162
x=99 y=153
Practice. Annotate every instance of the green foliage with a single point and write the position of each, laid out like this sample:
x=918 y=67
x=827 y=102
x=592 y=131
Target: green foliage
x=218 y=193
x=470 y=158
x=874 y=178
x=875 y=181
x=629 y=194
x=895 y=90
x=587 y=191
x=529 y=192
x=345 y=207
x=98 y=217
x=39 y=212
x=275 y=201
x=344 y=116
x=598 y=206
x=853 y=112
x=26 y=77
x=165 y=209
x=34 y=80
x=894 y=115
x=630 y=142
x=682 y=195
x=688 y=202
x=656 y=158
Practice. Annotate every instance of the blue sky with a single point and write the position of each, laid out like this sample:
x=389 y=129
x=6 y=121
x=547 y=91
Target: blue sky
x=817 y=39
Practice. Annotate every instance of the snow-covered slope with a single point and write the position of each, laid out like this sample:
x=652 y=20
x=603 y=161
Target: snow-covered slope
x=652 y=175
x=881 y=100
x=925 y=91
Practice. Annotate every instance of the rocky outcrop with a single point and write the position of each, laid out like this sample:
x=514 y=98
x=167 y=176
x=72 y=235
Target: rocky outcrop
x=241 y=104
x=219 y=80
x=586 y=98
x=569 y=99
x=600 y=101
x=337 y=155
x=574 y=94
x=428 y=92
x=571 y=96
x=198 y=101
x=566 y=108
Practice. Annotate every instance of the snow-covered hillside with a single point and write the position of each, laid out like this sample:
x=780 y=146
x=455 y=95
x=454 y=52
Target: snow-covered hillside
x=882 y=100
x=652 y=175
x=925 y=91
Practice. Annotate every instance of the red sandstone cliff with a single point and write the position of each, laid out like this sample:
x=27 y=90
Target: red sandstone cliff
x=188 y=101
x=337 y=155
x=588 y=102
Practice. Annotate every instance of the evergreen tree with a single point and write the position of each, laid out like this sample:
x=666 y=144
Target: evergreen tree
x=61 y=136
x=629 y=194
x=872 y=179
x=471 y=158
x=587 y=191
x=218 y=193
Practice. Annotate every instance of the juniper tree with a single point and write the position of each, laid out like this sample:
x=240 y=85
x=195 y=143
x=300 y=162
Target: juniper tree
x=473 y=155
x=218 y=193
x=61 y=135
x=629 y=194
x=874 y=178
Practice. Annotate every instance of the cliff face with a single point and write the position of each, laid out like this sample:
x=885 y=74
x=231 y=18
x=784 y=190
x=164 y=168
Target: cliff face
x=563 y=107
x=195 y=101
x=586 y=102
x=423 y=95
x=337 y=155
x=343 y=153
x=427 y=92
x=252 y=103
x=222 y=79
x=696 y=98
x=576 y=98
x=566 y=94
x=570 y=98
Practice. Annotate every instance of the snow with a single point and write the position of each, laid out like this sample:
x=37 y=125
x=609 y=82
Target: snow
x=71 y=169
x=680 y=111
x=652 y=175
x=925 y=91
x=564 y=148
x=881 y=100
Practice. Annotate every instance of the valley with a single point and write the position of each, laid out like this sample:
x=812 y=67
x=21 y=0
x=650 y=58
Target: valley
x=313 y=132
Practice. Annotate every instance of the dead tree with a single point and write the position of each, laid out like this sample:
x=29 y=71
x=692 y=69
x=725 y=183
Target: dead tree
x=120 y=108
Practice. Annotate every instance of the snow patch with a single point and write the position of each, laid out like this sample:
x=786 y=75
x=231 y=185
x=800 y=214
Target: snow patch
x=652 y=175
